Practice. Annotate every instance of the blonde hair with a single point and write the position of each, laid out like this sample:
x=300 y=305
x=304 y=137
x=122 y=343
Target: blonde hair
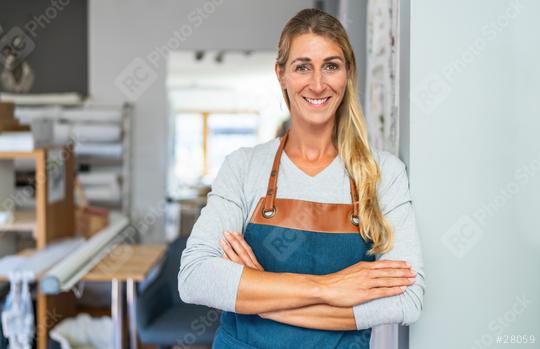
x=350 y=131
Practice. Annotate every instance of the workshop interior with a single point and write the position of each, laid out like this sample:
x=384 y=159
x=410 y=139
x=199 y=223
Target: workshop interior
x=116 y=117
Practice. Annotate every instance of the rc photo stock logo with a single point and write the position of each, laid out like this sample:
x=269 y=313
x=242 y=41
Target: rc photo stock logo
x=140 y=74
x=135 y=79
x=462 y=236
x=437 y=87
x=468 y=230
x=15 y=46
x=431 y=93
x=282 y=243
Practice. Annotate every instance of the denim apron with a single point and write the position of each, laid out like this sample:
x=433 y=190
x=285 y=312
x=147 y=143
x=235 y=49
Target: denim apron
x=297 y=236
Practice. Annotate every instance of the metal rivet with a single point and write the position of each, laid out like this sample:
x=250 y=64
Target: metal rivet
x=269 y=214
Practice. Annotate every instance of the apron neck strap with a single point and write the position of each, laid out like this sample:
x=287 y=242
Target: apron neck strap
x=269 y=207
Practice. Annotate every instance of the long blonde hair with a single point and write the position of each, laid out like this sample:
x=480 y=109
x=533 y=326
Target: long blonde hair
x=350 y=132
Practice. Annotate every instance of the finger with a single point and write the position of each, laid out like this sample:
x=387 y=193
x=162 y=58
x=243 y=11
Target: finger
x=227 y=248
x=381 y=292
x=248 y=249
x=390 y=282
x=392 y=273
x=240 y=250
x=246 y=252
x=381 y=264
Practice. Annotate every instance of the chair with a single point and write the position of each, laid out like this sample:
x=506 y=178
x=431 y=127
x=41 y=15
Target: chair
x=162 y=317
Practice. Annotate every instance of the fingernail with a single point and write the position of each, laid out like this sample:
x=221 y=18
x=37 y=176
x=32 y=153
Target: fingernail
x=227 y=233
x=408 y=264
x=412 y=279
x=413 y=271
x=403 y=288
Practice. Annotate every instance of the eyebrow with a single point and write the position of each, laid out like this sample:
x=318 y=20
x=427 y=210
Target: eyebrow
x=307 y=59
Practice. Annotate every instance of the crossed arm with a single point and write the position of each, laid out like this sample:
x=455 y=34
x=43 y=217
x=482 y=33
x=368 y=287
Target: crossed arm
x=312 y=301
x=367 y=293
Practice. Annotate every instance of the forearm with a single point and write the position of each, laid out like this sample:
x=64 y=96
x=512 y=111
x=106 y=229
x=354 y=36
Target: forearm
x=261 y=292
x=318 y=316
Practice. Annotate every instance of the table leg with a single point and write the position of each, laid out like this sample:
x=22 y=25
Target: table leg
x=117 y=312
x=131 y=303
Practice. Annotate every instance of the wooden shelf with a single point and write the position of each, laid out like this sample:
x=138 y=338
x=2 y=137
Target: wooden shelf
x=36 y=152
x=24 y=221
x=10 y=155
x=97 y=161
x=49 y=222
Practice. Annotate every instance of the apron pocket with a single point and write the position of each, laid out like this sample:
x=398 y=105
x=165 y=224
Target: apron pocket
x=224 y=340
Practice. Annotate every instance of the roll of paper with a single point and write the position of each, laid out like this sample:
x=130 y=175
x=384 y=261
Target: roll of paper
x=68 y=272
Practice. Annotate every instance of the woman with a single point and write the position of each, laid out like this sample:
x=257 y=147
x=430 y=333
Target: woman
x=309 y=240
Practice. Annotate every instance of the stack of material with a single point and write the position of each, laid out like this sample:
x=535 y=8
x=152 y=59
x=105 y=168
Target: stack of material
x=101 y=186
x=68 y=98
x=15 y=136
x=98 y=134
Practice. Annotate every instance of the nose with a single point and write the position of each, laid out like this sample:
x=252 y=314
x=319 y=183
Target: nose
x=316 y=83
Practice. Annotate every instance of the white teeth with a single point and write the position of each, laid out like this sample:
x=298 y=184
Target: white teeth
x=316 y=101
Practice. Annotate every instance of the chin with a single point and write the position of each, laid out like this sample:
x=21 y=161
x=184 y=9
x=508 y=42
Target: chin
x=314 y=119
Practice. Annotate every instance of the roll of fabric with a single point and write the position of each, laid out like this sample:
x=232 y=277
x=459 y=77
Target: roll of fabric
x=72 y=268
x=103 y=193
x=93 y=114
x=98 y=178
x=96 y=133
x=106 y=150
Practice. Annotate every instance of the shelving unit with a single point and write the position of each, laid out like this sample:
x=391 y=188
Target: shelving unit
x=123 y=164
x=52 y=221
x=71 y=117
x=25 y=221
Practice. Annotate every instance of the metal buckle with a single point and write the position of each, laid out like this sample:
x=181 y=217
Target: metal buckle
x=355 y=220
x=269 y=214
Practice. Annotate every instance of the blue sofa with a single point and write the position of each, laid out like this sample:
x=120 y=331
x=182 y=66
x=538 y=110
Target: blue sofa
x=163 y=319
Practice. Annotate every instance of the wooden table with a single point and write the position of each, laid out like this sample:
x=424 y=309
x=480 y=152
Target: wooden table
x=126 y=264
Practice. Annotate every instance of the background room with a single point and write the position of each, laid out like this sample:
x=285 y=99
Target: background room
x=116 y=116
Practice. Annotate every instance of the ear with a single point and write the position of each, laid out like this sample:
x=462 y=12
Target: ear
x=279 y=75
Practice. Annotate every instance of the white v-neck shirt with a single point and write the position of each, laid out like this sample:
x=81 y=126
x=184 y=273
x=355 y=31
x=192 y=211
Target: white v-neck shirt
x=206 y=278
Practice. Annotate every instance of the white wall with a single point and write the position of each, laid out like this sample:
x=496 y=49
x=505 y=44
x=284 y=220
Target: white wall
x=474 y=164
x=126 y=35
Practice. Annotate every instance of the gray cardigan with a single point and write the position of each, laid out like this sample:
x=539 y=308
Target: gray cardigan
x=206 y=278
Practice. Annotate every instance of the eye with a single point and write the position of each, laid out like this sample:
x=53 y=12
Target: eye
x=301 y=67
x=331 y=66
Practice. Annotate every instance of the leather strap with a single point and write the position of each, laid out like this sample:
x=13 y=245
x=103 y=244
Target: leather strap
x=269 y=201
x=272 y=181
x=354 y=196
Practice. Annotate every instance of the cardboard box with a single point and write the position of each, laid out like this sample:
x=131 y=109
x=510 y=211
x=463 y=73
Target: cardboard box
x=7 y=111
x=8 y=122
x=90 y=220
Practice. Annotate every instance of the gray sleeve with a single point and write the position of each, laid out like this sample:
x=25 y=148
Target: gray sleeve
x=398 y=209
x=205 y=277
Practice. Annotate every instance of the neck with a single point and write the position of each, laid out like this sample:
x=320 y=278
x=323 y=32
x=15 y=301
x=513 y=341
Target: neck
x=311 y=143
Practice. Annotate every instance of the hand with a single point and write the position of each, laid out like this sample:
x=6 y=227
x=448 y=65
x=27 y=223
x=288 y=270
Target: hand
x=365 y=281
x=236 y=249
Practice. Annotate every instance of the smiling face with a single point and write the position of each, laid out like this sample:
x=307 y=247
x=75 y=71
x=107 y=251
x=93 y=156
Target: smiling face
x=315 y=77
